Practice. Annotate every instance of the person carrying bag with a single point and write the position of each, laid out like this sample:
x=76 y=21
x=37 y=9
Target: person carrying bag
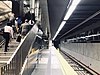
x=8 y=30
x=18 y=38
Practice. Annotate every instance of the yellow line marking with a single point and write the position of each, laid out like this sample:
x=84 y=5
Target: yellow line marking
x=65 y=67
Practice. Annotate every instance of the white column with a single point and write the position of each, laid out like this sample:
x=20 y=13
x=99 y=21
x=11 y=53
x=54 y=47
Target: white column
x=32 y=5
x=37 y=9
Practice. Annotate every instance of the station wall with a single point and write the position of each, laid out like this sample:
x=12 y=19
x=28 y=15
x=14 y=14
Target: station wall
x=88 y=53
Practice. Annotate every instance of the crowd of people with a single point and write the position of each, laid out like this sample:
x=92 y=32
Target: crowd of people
x=15 y=26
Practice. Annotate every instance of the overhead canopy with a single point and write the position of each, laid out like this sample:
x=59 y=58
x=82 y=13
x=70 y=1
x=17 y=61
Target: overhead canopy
x=85 y=17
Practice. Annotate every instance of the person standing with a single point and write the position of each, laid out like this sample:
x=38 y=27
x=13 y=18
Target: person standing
x=24 y=28
x=19 y=22
x=8 y=30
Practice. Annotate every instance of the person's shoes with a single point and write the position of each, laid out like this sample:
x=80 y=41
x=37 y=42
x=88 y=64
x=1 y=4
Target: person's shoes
x=5 y=52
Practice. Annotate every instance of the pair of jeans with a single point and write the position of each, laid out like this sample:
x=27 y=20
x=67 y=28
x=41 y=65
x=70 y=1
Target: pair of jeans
x=7 y=38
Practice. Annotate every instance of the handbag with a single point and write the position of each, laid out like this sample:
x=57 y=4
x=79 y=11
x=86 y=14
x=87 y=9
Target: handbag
x=18 y=38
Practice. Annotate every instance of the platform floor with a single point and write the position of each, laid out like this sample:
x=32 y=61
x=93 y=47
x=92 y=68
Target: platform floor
x=49 y=64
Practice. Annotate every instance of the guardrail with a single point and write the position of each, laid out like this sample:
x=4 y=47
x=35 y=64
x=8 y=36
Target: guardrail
x=31 y=63
x=2 y=42
x=15 y=63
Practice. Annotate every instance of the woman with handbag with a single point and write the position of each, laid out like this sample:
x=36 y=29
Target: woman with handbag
x=8 y=30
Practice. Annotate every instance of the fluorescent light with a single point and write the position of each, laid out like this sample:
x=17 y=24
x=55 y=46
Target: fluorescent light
x=71 y=9
x=82 y=37
x=92 y=35
x=69 y=3
x=60 y=27
x=85 y=37
x=68 y=14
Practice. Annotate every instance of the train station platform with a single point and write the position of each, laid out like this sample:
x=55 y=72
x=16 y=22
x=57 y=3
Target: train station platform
x=52 y=63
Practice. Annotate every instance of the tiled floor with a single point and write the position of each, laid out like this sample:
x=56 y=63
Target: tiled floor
x=49 y=64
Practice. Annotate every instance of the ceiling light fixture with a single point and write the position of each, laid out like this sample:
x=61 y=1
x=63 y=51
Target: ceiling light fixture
x=71 y=9
x=61 y=26
x=68 y=14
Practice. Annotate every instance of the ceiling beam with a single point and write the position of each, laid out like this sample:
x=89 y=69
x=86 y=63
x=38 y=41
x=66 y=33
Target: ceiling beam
x=92 y=16
x=85 y=29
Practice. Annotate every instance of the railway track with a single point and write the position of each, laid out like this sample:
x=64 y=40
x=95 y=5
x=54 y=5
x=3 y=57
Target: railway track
x=79 y=67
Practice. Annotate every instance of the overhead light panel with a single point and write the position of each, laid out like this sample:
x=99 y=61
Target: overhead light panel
x=71 y=9
x=61 y=26
x=68 y=14
x=93 y=35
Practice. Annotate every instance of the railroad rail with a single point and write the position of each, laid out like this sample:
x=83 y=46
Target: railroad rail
x=78 y=66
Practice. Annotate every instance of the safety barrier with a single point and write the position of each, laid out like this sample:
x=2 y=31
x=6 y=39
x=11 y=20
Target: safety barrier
x=31 y=63
x=2 y=42
x=15 y=63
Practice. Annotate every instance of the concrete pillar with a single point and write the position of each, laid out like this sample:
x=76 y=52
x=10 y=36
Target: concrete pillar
x=17 y=7
x=37 y=9
x=45 y=17
x=21 y=8
x=32 y=5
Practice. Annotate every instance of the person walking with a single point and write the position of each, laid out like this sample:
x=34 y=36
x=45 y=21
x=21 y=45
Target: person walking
x=18 y=22
x=8 y=30
x=24 y=28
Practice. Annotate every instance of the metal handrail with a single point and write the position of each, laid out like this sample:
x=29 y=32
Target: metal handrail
x=2 y=42
x=15 y=63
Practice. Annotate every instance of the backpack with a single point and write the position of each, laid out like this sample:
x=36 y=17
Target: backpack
x=19 y=21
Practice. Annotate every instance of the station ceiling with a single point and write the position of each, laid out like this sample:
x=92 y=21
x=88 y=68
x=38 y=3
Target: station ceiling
x=84 y=18
x=5 y=9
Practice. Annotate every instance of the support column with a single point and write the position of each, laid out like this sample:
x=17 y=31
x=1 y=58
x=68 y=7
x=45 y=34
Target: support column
x=32 y=5
x=17 y=7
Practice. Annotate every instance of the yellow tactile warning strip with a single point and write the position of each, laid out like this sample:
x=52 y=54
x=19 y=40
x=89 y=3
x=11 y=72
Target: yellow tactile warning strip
x=34 y=55
x=34 y=52
x=66 y=68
